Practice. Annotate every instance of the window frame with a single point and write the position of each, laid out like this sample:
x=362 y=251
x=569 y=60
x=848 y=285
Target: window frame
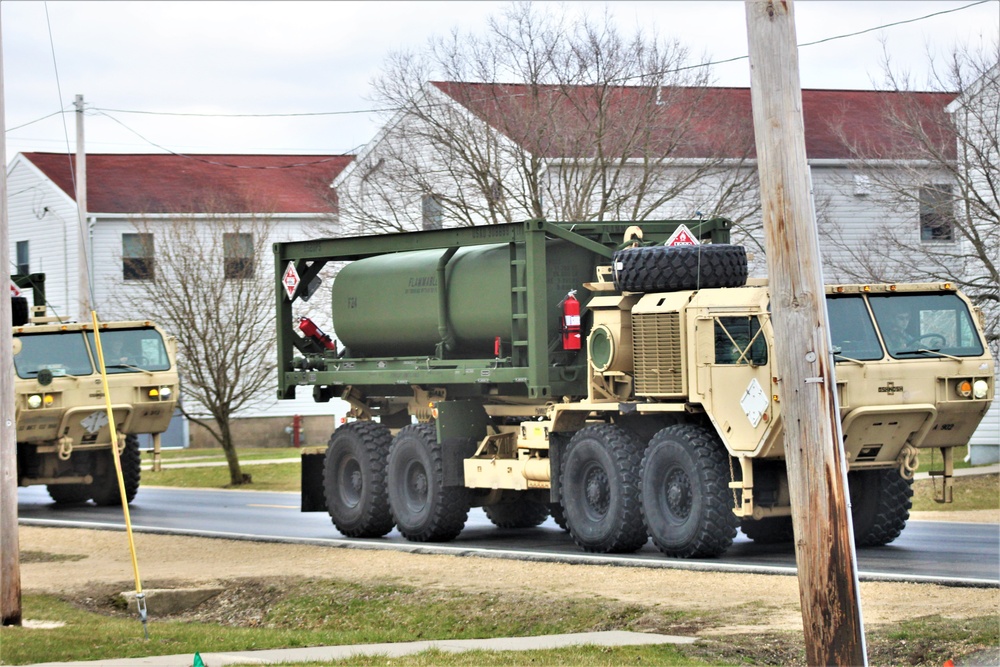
x=239 y=266
x=136 y=266
x=23 y=258
x=431 y=212
x=937 y=213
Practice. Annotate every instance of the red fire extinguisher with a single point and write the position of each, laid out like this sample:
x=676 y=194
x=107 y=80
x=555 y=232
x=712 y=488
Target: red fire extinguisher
x=571 y=322
x=309 y=328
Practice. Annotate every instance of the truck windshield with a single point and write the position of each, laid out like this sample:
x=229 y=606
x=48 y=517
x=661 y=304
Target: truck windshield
x=852 y=333
x=131 y=350
x=62 y=353
x=919 y=325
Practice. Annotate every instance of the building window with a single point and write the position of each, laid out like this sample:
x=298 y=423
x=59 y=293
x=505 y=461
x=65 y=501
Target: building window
x=238 y=251
x=937 y=213
x=432 y=212
x=23 y=265
x=137 y=257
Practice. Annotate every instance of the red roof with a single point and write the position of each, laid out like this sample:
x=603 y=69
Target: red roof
x=552 y=121
x=130 y=183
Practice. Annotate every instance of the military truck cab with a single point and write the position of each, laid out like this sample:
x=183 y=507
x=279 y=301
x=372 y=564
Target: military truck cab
x=63 y=432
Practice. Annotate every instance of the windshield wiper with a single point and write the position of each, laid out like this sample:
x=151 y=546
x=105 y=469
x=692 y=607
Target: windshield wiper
x=130 y=367
x=927 y=350
x=839 y=357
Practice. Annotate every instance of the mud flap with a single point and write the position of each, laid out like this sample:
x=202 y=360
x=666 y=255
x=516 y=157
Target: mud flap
x=313 y=497
x=461 y=425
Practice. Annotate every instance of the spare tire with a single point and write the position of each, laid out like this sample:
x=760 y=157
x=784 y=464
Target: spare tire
x=19 y=310
x=671 y=268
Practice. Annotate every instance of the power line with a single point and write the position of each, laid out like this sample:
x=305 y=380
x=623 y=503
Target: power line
x=245 y=115
x=108 y=111
x=216 y=162
x=622 y=79
x=818 y=41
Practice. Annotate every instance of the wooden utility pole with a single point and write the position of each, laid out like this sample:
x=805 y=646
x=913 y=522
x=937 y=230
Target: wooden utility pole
x=10 y=547
x=814 y=453
x=83 y=248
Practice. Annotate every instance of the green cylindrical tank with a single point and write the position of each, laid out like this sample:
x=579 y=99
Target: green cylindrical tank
x=390 y=305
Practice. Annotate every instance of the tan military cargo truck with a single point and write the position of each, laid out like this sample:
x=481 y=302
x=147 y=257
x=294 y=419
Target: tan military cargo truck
x=63 y=435
x=649 y=409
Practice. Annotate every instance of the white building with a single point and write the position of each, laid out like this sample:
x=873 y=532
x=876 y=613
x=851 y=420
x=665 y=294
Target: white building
x=124 y=190
x=474 y=153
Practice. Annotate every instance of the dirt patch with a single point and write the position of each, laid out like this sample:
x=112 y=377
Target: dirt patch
x=737 y=603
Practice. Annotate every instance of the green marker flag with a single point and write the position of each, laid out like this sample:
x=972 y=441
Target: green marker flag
x=198 y=662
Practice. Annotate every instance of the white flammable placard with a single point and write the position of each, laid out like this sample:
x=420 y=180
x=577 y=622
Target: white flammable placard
x=754 y=402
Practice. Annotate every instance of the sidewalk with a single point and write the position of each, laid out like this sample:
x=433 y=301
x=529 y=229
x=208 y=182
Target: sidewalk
x=991 y=469
x=164 y=465
x=393 y=650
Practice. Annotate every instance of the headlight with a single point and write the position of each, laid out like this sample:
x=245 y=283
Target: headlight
x=980 y=388
x=34 y=401
x=160 y=393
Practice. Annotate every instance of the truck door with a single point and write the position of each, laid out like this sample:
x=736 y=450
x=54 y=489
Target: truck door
x=740 y=379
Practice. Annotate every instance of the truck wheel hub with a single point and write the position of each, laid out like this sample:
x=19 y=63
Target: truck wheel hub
x=679 y=494
x=597 y=491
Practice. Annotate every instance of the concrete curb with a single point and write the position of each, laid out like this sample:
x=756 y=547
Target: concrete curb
x=327 y=653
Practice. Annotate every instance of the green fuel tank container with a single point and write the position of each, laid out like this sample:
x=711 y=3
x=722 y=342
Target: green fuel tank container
x=390 y=305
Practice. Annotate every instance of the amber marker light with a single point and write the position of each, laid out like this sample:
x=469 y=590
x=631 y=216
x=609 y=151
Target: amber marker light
x=964 y=389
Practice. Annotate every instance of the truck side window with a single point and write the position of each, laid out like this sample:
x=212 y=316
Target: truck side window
x=852 y=333
x=738 y=341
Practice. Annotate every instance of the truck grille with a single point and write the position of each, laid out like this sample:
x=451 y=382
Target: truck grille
x=657 y=352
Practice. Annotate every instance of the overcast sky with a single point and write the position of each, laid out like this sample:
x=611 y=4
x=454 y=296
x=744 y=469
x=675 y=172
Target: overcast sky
x=319 y=57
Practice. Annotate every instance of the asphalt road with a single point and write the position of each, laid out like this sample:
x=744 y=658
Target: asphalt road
x=939 y=551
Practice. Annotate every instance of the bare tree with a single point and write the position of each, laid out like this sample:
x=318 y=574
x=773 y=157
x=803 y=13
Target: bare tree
x=207 y=279
x=547 y=116
x=938 y=184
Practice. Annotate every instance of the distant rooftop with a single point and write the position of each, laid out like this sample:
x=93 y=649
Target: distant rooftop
x=141 y=183
x=695 y=122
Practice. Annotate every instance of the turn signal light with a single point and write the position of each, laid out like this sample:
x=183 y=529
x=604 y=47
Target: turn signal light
x=964 y=389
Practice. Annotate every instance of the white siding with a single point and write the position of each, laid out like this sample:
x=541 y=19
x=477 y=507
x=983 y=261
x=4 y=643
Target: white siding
x=42 y=214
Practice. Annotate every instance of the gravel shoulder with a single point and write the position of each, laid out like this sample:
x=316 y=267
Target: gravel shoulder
x=100 y=558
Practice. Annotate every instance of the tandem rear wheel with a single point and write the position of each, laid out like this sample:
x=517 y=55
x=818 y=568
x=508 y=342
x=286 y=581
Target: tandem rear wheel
x=354 y=479
x=424 y=509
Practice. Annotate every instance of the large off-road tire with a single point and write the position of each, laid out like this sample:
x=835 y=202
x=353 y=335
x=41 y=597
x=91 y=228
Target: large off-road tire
x=880 y=505
x=67 y=494
x=670 y=268
x=354 y=479
x=599 y=479
x=518 y=511
x=19 y=311
x=686 y=502
x=104 y=490
x=556 y=510
x=423 y=508
x=772 y=530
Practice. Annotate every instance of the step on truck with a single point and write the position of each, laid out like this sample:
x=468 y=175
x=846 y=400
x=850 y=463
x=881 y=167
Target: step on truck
x=591 y=372
x=63 y=433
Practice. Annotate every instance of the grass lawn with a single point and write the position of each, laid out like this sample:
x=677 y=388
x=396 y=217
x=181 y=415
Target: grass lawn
x=319 y=613
x=292 y=613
